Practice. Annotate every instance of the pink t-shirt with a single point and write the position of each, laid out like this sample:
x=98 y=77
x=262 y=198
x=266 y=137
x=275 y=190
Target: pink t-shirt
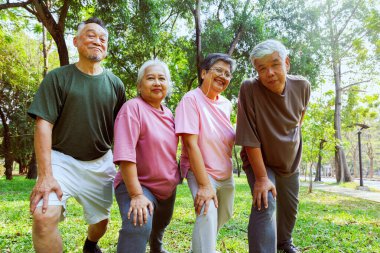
x=210 y=120
x=145 y=136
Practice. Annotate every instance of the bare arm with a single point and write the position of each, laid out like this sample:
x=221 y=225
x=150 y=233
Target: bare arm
x=205 y=192
x=46 y=183
x=140 y=204
x=262 y=184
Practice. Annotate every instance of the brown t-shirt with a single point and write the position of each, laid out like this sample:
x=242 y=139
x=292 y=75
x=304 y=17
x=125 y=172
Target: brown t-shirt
x=271 y=122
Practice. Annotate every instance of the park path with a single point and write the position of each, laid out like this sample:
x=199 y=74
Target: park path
x=367 y=195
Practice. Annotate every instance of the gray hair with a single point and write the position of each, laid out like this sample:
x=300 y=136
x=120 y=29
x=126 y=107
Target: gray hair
x=155 y=62
x=269 y=47
x=94 y=20
x=211 y=59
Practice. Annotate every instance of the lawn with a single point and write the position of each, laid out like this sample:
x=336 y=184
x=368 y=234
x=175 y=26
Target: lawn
x=326 y=222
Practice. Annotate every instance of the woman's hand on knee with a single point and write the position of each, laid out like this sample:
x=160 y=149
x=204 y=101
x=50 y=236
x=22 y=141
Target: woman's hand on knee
x=139 y=208
x=203 y=198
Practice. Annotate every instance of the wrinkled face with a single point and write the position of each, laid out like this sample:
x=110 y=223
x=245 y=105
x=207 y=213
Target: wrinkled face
x=92 y=42
x=217 y=78
x=154 y=85
x=272 y=70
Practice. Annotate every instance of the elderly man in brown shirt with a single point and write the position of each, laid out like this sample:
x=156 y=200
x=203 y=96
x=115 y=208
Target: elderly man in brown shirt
x=270 y=113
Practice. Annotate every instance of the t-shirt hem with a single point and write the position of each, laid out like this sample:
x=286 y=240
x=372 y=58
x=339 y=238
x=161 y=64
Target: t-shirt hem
x=123 y=159
x=248 y=144
x=184 y=132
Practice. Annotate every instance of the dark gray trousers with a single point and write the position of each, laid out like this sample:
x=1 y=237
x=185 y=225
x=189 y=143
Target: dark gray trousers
x=133 y=239
x=273 y=227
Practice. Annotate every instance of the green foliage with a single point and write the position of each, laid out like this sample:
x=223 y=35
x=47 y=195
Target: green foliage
x=326 y=222
x=317 y=126
x=20 y=64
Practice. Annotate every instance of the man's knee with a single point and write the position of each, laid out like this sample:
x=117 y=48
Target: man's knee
x=265 y=213
x=102 y=223
x=45 y=223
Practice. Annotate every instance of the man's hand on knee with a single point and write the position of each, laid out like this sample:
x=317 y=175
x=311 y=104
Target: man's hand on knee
x=44 y=186
x=260 y=192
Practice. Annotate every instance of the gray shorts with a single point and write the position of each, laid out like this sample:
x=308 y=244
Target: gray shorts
x=89 y=182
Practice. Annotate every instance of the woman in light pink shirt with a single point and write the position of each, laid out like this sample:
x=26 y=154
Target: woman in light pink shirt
x=203 y=122
x=145 y=149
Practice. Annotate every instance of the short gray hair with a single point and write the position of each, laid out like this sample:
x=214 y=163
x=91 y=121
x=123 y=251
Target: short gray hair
x=211 y=59
x=155 y=62
x=94 y=20
x=269 y=47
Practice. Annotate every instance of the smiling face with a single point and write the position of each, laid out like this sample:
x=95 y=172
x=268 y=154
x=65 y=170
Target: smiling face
x=216 y=79
x=272 y=71
x=153 y=86
x=92 y=42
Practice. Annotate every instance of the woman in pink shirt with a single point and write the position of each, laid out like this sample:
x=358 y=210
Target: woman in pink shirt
x=203 y=122
x=145 y=149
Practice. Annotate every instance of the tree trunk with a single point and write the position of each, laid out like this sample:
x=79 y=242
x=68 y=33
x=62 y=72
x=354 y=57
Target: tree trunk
x=198 y=41
x=8 y=160
x=354 y=162
x=371 y=157
x=22 y=168
x=341 y=168
x=44 y=51
x=319 y=165
x=237 y=161
x=32 y=167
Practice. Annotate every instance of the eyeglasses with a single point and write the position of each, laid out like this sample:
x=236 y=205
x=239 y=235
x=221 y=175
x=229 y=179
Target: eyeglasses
x=220 y=72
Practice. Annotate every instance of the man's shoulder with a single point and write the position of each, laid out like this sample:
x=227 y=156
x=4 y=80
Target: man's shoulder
x=113 y=78
x=249 y=85
x=61 y=70
x=297 y=79
x=250 y=82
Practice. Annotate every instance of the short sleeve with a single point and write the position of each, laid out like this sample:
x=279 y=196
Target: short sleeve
x=49 y=99
x=246 y=132
x=126 y=133
x=187 y=117
x=120 y=95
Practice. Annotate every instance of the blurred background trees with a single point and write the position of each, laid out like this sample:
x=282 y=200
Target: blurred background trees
x=334 y=44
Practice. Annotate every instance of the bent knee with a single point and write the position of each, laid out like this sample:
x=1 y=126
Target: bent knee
x=102 y=223
x=48 y=221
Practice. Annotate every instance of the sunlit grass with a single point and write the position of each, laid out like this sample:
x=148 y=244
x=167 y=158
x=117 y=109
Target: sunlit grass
x=326 y=222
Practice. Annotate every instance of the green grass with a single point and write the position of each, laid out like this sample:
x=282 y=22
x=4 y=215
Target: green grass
x=326 y=222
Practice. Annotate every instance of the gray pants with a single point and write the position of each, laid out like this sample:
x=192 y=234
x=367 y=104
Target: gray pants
x=272 y=227
x=206 y=227
x=133 y=239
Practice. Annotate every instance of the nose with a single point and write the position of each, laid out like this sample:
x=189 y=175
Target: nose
x=156 y=82
x=97 y=40
x=270 y=72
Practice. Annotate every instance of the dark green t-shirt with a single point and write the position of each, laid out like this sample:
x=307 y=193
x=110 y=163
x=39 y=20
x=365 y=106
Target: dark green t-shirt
x=82 y=108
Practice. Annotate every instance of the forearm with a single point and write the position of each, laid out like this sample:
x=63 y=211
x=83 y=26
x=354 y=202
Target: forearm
x=255 y=158
x=196 y=160
x=130 y=177
x=42 y=147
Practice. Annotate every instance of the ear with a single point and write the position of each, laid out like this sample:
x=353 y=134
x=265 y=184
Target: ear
x=138 y=88
x=287 y=64
x=75 y=41
x=203 y=73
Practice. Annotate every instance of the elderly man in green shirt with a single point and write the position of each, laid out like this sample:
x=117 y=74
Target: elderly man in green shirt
x=75 y=108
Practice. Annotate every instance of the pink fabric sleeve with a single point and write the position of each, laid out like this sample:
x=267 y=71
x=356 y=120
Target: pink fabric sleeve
x=126 y=133
x=187 y=117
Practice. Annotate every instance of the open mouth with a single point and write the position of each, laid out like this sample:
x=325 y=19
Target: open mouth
x=220 y=82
